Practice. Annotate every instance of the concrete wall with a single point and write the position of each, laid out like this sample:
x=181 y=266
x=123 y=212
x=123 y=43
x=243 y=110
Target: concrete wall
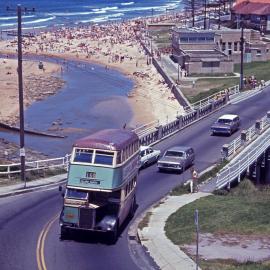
x=197 y=68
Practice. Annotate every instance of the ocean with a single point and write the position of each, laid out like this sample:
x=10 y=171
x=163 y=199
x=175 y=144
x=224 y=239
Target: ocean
x=50 y=14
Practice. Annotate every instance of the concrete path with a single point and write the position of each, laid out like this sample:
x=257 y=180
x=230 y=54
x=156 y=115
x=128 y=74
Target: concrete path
x=167 y=255
x=15 y=189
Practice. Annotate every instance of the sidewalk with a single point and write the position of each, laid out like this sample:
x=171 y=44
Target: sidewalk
x=32 y=185
x=167 y=255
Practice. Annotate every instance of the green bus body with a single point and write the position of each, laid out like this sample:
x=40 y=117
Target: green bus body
x=99 y=197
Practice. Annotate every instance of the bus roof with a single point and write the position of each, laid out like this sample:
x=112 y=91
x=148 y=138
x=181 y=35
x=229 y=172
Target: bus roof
x=108 y=139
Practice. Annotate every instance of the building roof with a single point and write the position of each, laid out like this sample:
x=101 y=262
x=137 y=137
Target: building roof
x=248 y=7
x=108 y=139
x=253 y=1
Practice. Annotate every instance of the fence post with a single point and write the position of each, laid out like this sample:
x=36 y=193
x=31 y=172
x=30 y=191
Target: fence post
x=225 y=151
x=268 y=117
x=180 y=119
x=258 y=126
x=197 y=114
x=243 y=137
x=8 y=171
x=159 y=128
x=239 y=173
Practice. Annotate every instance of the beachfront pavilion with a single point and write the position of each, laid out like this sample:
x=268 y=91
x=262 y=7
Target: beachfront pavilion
x=198 y=52
x=256 y=48
x=255 y=14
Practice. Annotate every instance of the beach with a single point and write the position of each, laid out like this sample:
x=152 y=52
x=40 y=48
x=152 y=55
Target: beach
x=114 y=46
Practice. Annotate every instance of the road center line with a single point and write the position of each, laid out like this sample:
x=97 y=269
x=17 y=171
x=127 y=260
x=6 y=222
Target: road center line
x=41 y=243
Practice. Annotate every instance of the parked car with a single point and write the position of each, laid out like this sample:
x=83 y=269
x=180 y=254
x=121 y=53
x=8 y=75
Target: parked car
x=226 y=124
x=177 y=158
x=148 y=156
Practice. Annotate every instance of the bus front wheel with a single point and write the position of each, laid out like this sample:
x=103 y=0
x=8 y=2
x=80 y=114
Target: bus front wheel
x=64 y=233
x=114 y=234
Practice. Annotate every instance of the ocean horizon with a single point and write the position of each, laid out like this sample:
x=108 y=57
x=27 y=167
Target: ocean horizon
x=50 y=14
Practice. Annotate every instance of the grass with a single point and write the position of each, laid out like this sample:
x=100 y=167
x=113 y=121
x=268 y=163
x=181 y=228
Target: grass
x=205 y=87
x=259 y=69
x=238 y=212
x=213 y=84
x=231 y=265
x=243 y=211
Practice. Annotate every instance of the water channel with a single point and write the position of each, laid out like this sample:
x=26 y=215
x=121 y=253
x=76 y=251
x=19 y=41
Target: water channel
x=92 y=98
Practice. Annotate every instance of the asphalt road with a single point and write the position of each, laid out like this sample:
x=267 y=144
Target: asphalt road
x=23 y=218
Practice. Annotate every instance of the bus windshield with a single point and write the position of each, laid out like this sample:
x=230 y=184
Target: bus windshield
x=105 y=158
x=76 y=194
x=83 y=155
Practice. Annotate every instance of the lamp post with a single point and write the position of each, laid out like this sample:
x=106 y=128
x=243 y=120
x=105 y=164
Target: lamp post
x=205 y=4
x=242 y=56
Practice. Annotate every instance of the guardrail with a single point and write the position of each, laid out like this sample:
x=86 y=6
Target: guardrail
x=236 y=168
x=235 y=171
x=246 y=137
x=35 y=165
x=156 y=133
x=206 y=101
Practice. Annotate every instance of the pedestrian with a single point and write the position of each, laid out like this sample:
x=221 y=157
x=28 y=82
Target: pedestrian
x=195 y=176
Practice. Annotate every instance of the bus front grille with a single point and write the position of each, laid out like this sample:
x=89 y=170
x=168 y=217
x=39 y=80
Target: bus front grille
x=87 y=218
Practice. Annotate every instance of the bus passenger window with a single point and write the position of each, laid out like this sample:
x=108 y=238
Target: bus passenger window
x=83 y=155
x=105 y=158
x=118 y=158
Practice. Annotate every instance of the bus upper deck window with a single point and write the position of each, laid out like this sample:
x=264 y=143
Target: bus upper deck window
x=83 y=155
x=105 y=158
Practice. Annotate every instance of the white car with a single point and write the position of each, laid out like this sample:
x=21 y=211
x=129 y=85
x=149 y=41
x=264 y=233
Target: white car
x=148 y=156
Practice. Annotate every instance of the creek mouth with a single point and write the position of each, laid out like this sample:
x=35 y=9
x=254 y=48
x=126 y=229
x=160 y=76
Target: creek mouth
x=93 y=98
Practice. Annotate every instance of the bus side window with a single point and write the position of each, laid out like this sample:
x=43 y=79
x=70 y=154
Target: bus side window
x=118 y=157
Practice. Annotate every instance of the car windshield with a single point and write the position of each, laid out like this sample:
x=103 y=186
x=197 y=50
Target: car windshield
x=174 y=154
x=224 y=121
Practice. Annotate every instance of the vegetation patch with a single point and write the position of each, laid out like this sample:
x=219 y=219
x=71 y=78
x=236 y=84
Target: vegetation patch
x=242 y=212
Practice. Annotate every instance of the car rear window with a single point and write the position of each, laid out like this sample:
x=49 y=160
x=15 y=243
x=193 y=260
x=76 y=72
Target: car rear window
x=224 y=121
x=174 y=154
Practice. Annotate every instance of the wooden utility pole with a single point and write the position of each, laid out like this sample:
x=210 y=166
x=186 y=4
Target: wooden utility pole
x=21 y=107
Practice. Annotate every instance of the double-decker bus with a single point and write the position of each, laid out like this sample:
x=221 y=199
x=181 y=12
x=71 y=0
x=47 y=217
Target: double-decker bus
x=102 y=177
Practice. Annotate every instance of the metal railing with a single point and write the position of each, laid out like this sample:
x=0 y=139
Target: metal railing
x=235 y=169
x=14 y=168
x=246 y=137
x=206 y=101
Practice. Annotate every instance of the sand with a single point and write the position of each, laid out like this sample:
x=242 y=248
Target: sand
x=38 y=84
